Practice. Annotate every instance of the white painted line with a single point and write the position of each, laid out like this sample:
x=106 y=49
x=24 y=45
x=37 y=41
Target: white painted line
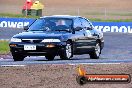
x=4 y=39
x=13 y=65
x=92 y=63
x=2 y=59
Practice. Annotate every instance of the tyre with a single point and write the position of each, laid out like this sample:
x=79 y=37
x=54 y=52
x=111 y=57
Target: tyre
x=18 y=57
x=50 y=57
x=81 y=80
x=67 y=53
x=96 y=53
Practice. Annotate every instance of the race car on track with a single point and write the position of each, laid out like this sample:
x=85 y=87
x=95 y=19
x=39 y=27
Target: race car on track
x=57 y=35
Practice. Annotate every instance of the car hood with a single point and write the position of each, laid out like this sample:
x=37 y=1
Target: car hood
x=39 y=35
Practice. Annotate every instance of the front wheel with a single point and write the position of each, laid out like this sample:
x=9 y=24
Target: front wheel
x=50 y=57
x=18 y=57
x=67 y=53
x=96 y=53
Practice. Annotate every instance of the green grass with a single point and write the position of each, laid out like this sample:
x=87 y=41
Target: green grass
x=16 y=15
x=110 y=20
x=108 y=14
x=4 y=47
x=120 y=14
x=92 y=19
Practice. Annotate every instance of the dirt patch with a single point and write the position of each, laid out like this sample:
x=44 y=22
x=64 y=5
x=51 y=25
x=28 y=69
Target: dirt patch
x=110 y=4
x=108 y=9
x=58 y=76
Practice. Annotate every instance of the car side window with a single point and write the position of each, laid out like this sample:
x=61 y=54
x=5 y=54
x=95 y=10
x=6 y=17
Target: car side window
x=85 y=23
x=77 y=23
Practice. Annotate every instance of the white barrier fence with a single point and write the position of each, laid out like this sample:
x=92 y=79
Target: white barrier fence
x=124 y=27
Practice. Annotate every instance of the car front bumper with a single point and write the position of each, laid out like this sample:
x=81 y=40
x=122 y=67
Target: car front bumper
x=41 y=49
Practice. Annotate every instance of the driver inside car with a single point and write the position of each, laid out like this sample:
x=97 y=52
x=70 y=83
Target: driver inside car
x=61 y=25
x=60 y=22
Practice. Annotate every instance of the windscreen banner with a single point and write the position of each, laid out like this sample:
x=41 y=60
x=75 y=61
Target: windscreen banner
x=123 y=27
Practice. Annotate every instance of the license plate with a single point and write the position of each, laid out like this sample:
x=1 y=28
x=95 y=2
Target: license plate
x=29 y=47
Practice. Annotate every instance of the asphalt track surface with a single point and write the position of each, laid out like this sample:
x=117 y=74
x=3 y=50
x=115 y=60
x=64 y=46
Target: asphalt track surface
x=117 y=49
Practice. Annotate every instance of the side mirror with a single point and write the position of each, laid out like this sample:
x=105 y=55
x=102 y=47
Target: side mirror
x=89 y=28
x=26 y=28
x=78 y=28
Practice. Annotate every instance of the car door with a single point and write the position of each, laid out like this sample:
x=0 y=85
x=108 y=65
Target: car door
x=89 y=39
x=78 y=36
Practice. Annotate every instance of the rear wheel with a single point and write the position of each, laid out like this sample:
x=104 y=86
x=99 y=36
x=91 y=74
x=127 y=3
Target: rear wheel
x=18 y=57
x=96 y=53
x=67 y=53
x=50 y=57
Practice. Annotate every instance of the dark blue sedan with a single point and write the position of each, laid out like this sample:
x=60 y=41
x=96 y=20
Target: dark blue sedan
x=57 y=35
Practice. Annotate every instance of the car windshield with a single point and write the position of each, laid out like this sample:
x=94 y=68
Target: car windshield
x=51 y=24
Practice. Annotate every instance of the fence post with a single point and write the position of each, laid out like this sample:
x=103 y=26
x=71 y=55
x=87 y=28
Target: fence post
x=78 y=11
x=105 y=13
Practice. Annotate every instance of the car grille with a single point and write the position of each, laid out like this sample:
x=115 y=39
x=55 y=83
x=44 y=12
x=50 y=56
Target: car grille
x=31 y=41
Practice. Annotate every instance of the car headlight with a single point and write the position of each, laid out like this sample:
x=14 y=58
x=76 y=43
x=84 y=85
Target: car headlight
x=51 y=40
x=16 y=40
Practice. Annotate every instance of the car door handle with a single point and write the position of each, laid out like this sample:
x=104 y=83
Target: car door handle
x=84 y=34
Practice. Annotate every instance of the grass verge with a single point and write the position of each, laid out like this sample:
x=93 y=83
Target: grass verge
x=4 y=47
x=6 y=15
x=110 y=20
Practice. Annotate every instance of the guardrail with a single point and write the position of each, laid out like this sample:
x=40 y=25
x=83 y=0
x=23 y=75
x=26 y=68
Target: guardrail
x=124 y=27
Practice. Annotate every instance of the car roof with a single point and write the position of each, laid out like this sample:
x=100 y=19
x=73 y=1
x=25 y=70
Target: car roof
x=61 y=16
